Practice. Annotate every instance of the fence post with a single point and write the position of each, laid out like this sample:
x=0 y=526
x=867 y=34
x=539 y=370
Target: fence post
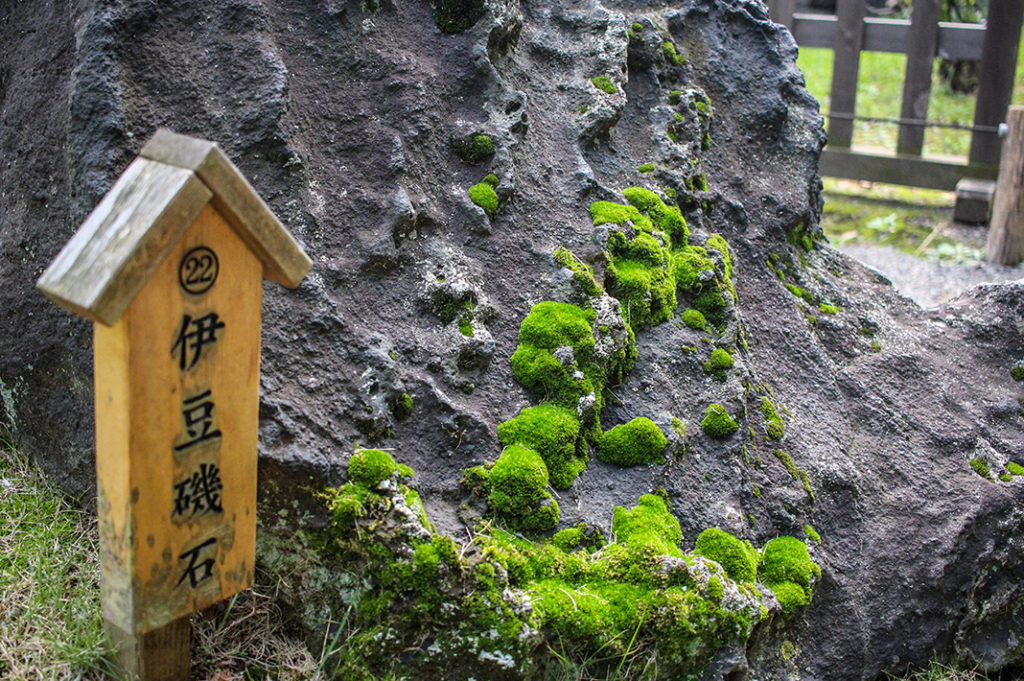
x=998 y=64
x=845 y=68
x=1006 y=233
x=781 y=12
x=917 y=84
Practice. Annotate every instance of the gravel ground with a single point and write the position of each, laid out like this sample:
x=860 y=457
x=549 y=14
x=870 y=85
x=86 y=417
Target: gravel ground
x=930 y=283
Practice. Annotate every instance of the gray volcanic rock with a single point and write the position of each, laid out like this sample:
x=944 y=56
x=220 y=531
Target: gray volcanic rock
x=342 y=115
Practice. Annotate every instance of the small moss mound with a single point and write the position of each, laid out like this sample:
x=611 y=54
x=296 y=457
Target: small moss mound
x=630 y=444
x=1015 y=468
x=773 y=424
x=717 y=423
x=1017 y=372
x=604 y=84
x=737 y=557
x=788 y=462
x=719 y=363
x=519 y=493
x=552 y=432
x=581 y=537
x=811 y=534
x=648 y=524
x=483 y=195
x=646 y=168
x=668 y=49
x=825 y=308
x=694 y=319
x=980 y=467
x=787 y=569
x=402 y=406
x=370 y=467
x=474 y=149
x=548 y=327
x=456 y=16
x=674 y=97
x=582 y=273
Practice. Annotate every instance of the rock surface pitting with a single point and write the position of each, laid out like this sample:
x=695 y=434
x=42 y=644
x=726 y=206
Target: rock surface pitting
x=341 y=115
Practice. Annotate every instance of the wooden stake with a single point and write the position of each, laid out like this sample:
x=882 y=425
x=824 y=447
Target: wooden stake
x=163 y=654
x=1006 y=232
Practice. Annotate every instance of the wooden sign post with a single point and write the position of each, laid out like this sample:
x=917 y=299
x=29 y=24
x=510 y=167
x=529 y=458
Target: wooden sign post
x=169 y=266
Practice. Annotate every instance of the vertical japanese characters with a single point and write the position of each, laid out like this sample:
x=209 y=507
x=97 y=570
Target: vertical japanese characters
x=198 y=492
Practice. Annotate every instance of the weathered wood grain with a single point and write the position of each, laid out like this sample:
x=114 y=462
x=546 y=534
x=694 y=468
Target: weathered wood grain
x=917 y=83
x=142 y=396
x=123 y=240
x=1006 y=232
x=283 y=260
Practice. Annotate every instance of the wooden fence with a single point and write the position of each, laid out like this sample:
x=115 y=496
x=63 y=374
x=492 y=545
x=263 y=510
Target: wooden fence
x=922 y=39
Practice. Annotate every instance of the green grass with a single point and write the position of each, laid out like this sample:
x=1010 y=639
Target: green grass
x=50 y=622
x=937 y=671
x=51 y=626
x=880 y=91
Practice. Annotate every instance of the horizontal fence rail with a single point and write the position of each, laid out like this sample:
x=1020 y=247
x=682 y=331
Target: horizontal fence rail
x=923 y=38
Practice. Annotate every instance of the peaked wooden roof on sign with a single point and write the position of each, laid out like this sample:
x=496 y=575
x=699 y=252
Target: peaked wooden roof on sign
x=109 y=259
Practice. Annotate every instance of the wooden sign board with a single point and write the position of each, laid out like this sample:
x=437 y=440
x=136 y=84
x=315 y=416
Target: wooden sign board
x=170 y=265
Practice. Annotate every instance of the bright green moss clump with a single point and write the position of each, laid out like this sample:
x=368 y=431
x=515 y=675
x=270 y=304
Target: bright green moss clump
x=650 y=258
x=1015 y=468
x=648 y=524
x=582 y=273
x=980 y=467
x=548 y=327
x=668 y=49
x=483 y=195
x=737 y=557
x=719 y=363
x=825 y=308
x=788 y=462
x=694 y=319
x=519 y=493
x=552 y=432
x=604 y=84
x=811 y=534
x=370 y=467
x=717 y=423
x=474 y=149
x=646 y=168
x=674 y=97
x=630 y=444
x=773 y=424
x=787 y=569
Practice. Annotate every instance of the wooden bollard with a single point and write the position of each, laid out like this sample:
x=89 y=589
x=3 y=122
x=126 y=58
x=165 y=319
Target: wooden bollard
x=1006 y=231
x=169 y=266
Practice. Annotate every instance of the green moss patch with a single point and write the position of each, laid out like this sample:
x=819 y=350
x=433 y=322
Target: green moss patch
x=637 y=442
x=787 y=569
x=648 y=524
x=650 y=258
x=483 y=195
x=645 y=168
x=519 y=495
x=552 y=432
x=1015 y=468
x=370 y=467
x=737 y=557
x=604 y=84
x=717 y=423
x=694 y=319
x=774 y=427
x=980 y=467
x=582 y=273
x=474 y=149
x=719 y=363
x=812 y=535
